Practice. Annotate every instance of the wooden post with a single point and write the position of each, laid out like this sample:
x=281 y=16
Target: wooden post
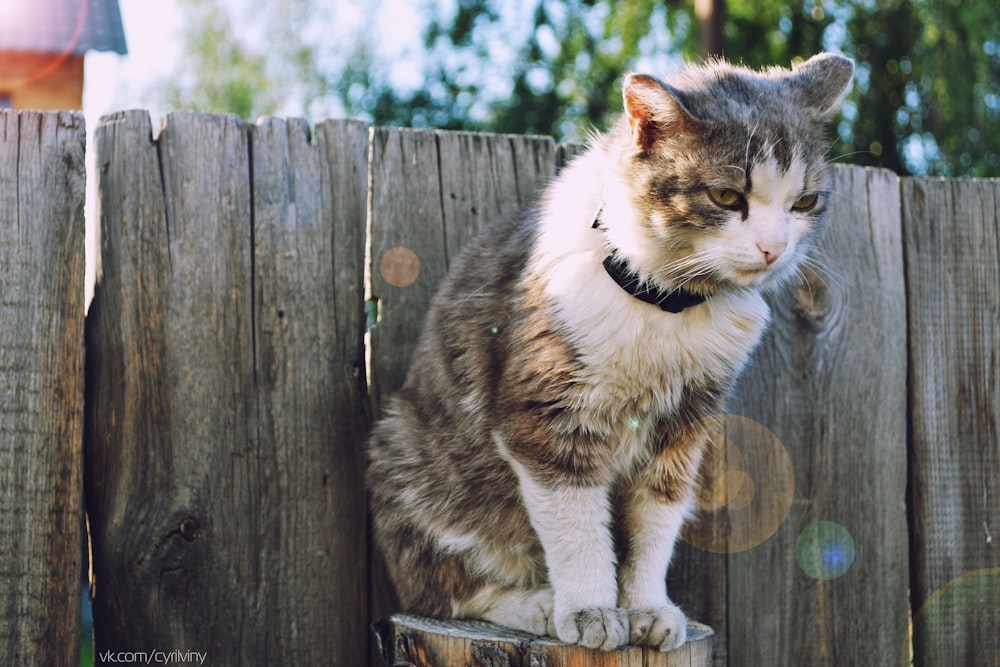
x=226 y=408
x=414 y=641
x=711 y=15
x=41 y=385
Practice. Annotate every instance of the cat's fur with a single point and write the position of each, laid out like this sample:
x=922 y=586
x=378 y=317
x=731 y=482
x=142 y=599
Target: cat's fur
x=537 y=465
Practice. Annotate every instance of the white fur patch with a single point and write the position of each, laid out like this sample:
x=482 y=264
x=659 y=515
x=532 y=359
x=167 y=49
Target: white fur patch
x=525 y=610
x=497 y=560
x=573 y=525
x=639 y=357
x=454 y=542
x=643 y=584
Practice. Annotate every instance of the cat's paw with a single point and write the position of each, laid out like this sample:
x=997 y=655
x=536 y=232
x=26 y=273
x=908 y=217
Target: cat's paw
x=664 y=628
x=536 y=615
x=606 y=629
x=529 y=611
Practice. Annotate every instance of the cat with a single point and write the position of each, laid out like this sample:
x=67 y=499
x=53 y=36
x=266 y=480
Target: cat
x=537 y=465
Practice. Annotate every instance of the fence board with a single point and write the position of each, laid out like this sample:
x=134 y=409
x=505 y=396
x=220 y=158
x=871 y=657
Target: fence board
x=226 y=418
x=42 y=177
x=953 y=290
x=487 y=177
x=406 y=217
x=309 y=212
x=835 y=349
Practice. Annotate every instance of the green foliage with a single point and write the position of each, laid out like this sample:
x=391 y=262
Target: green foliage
x=954 y=77
x=216 y=72
x=926 y=100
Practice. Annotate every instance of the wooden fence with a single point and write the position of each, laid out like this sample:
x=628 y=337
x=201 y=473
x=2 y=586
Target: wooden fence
x=216 y=431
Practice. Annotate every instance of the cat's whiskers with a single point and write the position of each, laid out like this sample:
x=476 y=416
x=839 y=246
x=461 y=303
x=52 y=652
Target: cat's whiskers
x=689 y=268
x=840 y=195
x=823 y=271
x=826 y=154
x=682 y=264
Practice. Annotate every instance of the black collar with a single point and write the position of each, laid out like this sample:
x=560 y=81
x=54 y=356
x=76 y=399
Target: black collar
x=673 y=301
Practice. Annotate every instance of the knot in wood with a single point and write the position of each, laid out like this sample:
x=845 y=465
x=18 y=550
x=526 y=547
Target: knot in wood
x=813 y=299
x=189 y=528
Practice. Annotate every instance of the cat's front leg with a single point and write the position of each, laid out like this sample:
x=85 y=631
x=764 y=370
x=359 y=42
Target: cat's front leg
x=652 y=526
x=573 y=525
x=655 y=508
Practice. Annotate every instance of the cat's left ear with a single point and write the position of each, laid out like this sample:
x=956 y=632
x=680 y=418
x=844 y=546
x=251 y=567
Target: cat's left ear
x=654 y=111
x=822 y=82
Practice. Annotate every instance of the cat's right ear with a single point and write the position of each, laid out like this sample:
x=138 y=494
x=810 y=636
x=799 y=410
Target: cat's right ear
x=653 y=110
x=822 y=82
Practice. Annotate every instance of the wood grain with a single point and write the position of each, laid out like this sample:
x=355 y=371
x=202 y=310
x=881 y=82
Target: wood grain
x=42 y=178
x=952 y=236
x=226 y=413
x=309 y=203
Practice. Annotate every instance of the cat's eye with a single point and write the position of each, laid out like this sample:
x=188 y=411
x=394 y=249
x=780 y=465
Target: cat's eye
x=806 y=202
x=725 y=197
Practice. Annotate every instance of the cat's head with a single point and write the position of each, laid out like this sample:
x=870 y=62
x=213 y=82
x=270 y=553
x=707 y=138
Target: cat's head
x=724 y=170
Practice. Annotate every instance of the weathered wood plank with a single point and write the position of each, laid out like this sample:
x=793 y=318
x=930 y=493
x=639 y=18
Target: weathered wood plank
x=952 y=231
x=432 y=191
x=406 y=219
x=226 y=416
x=309 y=212
x=488 y=177
x=42 y=176
x=830 y=382
x=170 y=388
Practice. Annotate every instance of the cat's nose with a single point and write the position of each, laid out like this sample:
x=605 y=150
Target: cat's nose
x=772 y=251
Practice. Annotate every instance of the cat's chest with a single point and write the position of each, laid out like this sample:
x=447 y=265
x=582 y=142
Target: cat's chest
x=642 y=369
x=638 y=363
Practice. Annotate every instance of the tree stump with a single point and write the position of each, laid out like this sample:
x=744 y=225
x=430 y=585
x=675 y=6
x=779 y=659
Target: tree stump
x=414 y=641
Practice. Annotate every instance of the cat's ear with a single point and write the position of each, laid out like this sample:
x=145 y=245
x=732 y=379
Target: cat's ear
x=822 y=82
x=654 y=111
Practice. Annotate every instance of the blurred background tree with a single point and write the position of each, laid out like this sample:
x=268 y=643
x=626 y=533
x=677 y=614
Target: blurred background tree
x=215 y=72
x=926 y=99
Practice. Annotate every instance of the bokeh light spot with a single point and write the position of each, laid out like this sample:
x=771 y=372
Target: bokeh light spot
x=824 y=550
x=400 y=267
x=747 y=488
x=959 y=624
x=739 y=490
